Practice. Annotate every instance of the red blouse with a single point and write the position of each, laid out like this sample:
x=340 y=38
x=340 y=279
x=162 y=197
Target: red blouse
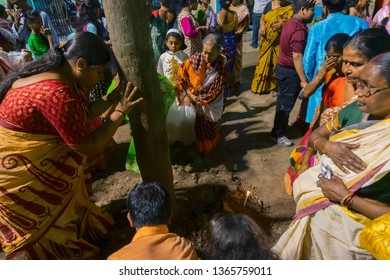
x=48 y=107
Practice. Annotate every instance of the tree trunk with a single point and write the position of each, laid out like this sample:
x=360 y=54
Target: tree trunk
x=130 y=36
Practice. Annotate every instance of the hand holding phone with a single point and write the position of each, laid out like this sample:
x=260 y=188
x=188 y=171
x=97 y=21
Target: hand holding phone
x=326 y=171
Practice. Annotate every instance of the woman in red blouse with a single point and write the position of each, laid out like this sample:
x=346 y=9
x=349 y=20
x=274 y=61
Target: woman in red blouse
x=44 y=112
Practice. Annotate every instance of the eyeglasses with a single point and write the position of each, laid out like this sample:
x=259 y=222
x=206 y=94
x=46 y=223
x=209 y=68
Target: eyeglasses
x=366 y=89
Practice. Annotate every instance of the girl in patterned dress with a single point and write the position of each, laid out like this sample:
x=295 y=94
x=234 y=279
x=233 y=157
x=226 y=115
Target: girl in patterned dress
x=181 y=115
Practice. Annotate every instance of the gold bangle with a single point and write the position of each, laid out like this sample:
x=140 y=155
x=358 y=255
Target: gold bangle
x=343 y=201
x=316 y=140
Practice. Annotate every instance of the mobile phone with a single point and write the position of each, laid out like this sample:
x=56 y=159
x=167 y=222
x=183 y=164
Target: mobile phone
x=301 y=95
x=326 y=171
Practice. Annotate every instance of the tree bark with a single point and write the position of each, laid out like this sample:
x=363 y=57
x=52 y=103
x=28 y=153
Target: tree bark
x=128 y=26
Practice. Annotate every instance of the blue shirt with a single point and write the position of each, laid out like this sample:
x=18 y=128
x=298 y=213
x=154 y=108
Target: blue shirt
x=319 y=35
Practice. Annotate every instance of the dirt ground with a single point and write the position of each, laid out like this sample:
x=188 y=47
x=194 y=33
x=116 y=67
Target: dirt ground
x=245 y=160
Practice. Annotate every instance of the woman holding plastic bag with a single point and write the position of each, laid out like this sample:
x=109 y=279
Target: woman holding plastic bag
x=201 y=78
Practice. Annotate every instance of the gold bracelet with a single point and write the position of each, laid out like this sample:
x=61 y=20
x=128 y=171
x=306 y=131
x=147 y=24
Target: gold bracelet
x=342 y=202
x=315 y=142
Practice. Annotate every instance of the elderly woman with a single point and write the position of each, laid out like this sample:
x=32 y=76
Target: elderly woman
x=339 y=91
x=332 y=212
x=44 y=113
x=202 y=77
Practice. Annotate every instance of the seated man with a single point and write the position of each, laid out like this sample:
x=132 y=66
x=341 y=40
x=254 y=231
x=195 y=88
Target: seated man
x=150 y=212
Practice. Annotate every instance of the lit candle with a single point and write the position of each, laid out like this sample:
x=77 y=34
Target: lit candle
x=246 y=197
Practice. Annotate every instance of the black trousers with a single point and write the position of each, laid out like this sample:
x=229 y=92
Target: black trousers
x=289 y=86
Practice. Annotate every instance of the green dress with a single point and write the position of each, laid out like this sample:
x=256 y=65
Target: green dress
x=38 y=45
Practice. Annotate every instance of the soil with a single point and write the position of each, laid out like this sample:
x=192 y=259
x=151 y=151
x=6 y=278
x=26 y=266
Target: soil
x=246 y=160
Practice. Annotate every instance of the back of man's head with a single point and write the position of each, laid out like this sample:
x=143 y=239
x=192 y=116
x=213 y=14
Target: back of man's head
x=149 y=204
x=299 y=4
x=334 y=6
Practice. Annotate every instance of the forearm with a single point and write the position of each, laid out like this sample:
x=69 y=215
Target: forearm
x=51 y=43
x=99 y=106
x=315 y=83
x=306 y=158
x=297 y=58
x=188 y=30
x=18 y=31
x=262 y=26
x=318 y=138
x=101 y=135
x=370 y=208
x=262 y=20
x=9 y=36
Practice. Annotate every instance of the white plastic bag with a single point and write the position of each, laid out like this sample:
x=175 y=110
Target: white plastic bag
x=181 y=123
x=17 y=59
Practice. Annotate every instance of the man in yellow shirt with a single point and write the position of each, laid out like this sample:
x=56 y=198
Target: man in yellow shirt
x=150 y=212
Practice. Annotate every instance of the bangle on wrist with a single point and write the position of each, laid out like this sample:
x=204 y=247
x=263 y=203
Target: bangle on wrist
x=347 y=200
x=315 y=142
x=123 y=114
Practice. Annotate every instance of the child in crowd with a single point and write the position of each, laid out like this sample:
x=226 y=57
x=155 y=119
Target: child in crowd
x=40 y=39
x=73 y=22
x=236 y=237
x=290 y=77
x=170 y=61
x=167 y=66
x=181 y=115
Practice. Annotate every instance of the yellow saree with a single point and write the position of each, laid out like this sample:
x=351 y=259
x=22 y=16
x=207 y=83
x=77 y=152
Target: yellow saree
x=264 y=78
x=321 y=229
x=45 y=212
x=375 y=237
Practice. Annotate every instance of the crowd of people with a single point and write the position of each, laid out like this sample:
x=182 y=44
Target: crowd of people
x=59 y=109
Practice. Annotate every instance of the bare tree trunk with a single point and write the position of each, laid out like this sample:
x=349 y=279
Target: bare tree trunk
x=130 y=36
